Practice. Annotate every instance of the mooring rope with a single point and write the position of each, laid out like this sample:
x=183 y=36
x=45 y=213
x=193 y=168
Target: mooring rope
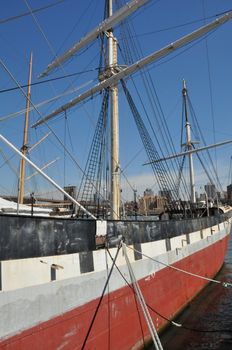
x=175 y=324
x=101 y=298
x=224 y=284
x=142 y=302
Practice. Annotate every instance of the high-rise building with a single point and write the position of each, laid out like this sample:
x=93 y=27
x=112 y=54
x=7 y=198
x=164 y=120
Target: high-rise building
x=210 y=189
x=229 y=193
x=148 y=192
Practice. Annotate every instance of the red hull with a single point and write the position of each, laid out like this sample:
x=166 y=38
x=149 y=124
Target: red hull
x=117 y=325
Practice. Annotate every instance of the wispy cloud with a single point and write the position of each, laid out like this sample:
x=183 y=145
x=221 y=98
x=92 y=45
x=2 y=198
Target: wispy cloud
x=139 y=182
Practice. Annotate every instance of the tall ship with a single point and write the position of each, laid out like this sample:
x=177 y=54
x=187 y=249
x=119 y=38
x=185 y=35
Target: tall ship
x=105 y=276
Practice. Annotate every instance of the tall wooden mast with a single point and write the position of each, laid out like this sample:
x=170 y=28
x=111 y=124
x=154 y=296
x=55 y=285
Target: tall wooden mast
x=115 y=168
x=25 y=136
x=189 y=145
x=123 y=73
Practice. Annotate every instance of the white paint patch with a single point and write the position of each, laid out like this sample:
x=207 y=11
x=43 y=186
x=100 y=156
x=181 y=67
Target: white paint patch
x=28 y=272
x=154 y=248
x=99 y=260
x=178 y=242
x=195 y=236
x=206 y=232
x=101 y=227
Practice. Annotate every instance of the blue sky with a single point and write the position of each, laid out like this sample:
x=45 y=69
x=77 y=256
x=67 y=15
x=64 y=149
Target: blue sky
x=205 y=66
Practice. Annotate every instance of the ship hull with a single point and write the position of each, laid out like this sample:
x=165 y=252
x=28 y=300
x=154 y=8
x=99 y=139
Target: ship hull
x=119 y=323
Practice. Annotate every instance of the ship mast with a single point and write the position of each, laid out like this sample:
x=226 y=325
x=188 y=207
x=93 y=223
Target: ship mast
x=115 y=168
x=125 y=72
x=189 y=145
x=113 y=74
x=25 y=135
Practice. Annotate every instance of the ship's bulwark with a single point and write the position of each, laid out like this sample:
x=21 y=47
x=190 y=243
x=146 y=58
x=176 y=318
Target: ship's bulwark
x=117 y=322
x=27 y=237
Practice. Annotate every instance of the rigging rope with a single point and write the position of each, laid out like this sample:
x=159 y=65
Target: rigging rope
x=181 y=25
x=149 y=85
x=67 y=92
x=82 y=15
x=2 y=21
x=65 y=135
x=94 y=164
x=47 y=41
x=48 y=126
x=164 y=179
x=210 y=89
x=7 y=161
x=214 y=172
x=50 y=80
